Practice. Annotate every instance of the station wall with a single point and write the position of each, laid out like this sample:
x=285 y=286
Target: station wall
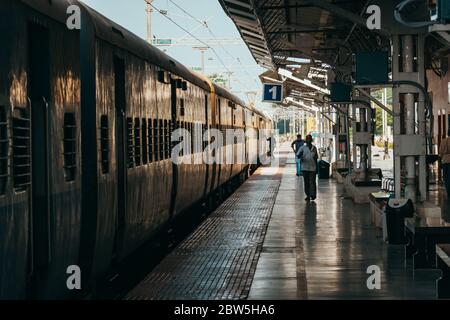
x=439 y=89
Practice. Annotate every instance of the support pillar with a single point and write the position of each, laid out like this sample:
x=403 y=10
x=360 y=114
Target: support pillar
x=409 y=117
x=362 y=134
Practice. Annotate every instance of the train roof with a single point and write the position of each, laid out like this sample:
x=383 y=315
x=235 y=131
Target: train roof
x=108 y=31
x=226 y=94
x=117 y=35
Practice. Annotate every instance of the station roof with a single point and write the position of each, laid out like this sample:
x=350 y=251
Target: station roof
x=303 y=38
x=308 y=38
x=278 y=30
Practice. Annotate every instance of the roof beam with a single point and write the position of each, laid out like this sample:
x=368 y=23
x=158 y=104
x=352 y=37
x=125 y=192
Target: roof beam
x=242 y=14
x=240 y=3
x=295 y=6
x=253 y=34
x=245 y=22
x=305 y=30
x=345 y=14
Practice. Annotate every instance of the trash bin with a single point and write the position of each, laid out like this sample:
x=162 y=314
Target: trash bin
x=396 y=212
x=323 y=169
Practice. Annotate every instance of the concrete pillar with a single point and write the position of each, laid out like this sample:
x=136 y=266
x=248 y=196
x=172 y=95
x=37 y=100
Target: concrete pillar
x=410 y=117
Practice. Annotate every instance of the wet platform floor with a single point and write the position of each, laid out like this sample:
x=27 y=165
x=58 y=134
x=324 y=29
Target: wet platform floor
x=267 y=242
x=322 y=250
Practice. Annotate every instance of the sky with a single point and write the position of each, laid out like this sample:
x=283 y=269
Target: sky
x=190 y=15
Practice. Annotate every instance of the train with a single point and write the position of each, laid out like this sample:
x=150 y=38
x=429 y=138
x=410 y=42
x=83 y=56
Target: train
x=86 y=117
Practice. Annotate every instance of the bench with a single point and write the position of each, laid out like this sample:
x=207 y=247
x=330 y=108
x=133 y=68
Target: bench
x=378 y=201
x=368 y=183
x=443 y=263
x=423 y=234
x=340 y=174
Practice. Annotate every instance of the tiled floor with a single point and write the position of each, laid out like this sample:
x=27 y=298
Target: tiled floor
x=267 y=242
x=218 y=260
x=321 y=250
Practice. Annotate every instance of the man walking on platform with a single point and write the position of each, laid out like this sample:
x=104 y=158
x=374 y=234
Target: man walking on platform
x=444 y=152
x=296 y=146
x=309 y=156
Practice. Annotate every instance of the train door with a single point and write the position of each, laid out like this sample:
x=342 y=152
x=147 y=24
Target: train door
x=39 y=95
x=119 y=72
x=217 y=151
x=444 y=125
x=206 y=129
x=439 y=130
x=173 y=104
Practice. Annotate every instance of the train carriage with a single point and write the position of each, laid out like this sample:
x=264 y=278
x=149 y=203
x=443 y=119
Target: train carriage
x=86 y=123
x=40 y=204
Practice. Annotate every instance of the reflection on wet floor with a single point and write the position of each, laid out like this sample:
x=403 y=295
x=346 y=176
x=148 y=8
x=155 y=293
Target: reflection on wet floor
x=437 y=196
x=322 y=250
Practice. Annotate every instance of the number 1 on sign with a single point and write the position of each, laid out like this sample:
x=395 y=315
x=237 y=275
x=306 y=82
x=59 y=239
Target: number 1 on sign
x=273 y=91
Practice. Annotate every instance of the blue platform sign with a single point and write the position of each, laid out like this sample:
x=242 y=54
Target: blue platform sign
x=272 y=92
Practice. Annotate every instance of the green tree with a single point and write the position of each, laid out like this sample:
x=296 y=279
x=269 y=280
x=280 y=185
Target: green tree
x=378 y=94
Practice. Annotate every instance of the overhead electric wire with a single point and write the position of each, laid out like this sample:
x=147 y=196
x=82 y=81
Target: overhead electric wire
x=179 y=26
x=199 y=40
x=205 y=24
x=187 y=13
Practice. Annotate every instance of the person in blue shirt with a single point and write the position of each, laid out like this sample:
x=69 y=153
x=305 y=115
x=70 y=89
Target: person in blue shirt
x=296 y=146
x=308 y=155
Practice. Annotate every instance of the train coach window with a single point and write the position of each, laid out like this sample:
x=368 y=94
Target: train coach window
x=155 y=139
x=150 y=140
x=70 y=135
x=4 y=141
x=130 y=147
x=182 y=107
x=204 y=135
x=144 y=142
x=161 y=139
x=189 y=132
x=167 y=125
x=137 y=142
x=21 y=149
x=104 y=143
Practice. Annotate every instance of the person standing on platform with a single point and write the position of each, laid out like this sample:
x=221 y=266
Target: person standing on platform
x=444 y=152
x=309 y=156
x=296 y=146
x=386 y=149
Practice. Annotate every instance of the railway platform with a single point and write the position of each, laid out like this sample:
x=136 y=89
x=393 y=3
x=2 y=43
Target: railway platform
x=266 y=243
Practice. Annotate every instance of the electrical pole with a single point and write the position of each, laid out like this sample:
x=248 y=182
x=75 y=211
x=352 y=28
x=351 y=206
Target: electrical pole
x=251 y=96
x=202 y=51
x=229 y=74
x=149 y=20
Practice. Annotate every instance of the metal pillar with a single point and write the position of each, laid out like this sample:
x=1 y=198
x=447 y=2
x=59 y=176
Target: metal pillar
x=384 y=115
x=409 y=117
x=342 y=150
x=362 y=135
